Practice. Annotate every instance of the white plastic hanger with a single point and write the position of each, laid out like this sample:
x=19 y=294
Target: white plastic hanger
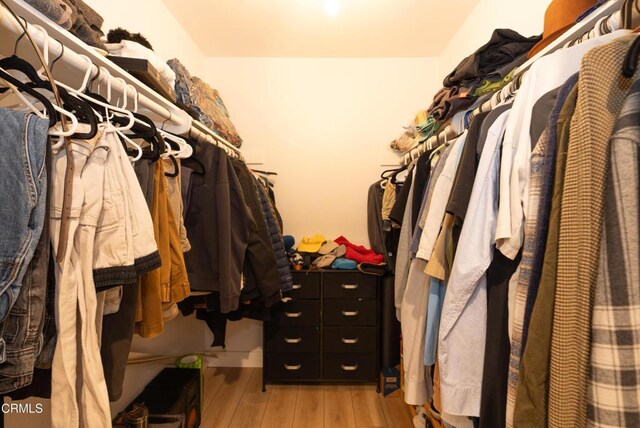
x=134 y=90
x=79 y=92
x=71 y=128
x=118 y=130
x=24 y=99
x=74 y=120
x=185 y=150
x=130 y=142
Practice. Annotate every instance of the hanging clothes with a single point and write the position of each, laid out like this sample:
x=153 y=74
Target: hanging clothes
x=76 y=368
x=260 y=265
x=518 y=343
x=25 y=248
x=543 y=173
x=613 y=400
x=531 y=398
x=277 y=240
x=581 y=227
x=218 y=226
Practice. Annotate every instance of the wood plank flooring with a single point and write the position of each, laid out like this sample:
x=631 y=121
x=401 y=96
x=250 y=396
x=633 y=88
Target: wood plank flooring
x=233 y=398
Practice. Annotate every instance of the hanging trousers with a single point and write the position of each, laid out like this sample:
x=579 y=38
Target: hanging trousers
x=79 y=393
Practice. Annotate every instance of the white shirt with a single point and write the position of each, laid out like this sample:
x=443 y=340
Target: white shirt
x=545 y=74
x=463 y=324
x=441 y=192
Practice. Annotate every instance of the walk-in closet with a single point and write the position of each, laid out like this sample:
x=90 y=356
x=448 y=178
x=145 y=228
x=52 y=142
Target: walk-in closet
x=319 y=214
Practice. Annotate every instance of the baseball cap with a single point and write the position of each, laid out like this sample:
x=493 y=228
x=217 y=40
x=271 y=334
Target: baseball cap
x=311 y=244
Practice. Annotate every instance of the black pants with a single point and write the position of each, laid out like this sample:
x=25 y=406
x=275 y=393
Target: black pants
x=493 y=405
x=117 y=334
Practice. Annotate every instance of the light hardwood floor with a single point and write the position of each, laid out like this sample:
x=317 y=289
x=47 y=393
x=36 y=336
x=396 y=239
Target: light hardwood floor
x=233 y=397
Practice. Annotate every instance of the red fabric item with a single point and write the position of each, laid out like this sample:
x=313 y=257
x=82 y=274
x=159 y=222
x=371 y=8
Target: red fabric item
x=358 y=253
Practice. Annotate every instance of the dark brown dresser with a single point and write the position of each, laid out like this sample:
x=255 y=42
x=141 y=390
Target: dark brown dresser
x=327 y=330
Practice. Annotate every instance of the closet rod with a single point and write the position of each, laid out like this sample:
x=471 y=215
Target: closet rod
x=76 y=58
x=611 y=8
x=201 y=133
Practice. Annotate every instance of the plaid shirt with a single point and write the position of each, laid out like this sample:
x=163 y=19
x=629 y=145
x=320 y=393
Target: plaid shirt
x=614 y=378
x=525 y=267
x=601 y=94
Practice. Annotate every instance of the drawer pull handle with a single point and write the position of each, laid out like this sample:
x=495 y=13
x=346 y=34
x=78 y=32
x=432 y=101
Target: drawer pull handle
x=349 y=368
x=350 y=313
x=350 y=286
x=296 y=286
x=350 y=341
x=286 y=299
x=292 y=341
x=293 y=368
x=293 y=314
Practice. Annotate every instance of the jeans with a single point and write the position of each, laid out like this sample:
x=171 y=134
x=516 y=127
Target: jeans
x=49 y=333
x=23 y=181
x=22 y=331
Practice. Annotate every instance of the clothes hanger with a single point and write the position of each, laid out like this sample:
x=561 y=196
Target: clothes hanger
x=176 y=168
x=630 y=63
x=48 y=106
x=393 y=179
x=143 y=128
x=384 y=175
x=630 y=11
x=24 y=100
x=264 y=172
x=193 y=161
x=99 y=105
x=182 y=149
x=130 y=142
x=39 y=80
x=80 y=108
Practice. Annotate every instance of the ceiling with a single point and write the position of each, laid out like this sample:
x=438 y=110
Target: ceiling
x=321 y=28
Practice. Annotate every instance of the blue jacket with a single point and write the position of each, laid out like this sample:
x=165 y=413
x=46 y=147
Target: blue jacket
x=275 y=231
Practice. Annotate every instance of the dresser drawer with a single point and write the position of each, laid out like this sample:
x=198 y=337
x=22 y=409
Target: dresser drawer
x=305 y=286
x=350 y=339
x=350 y=312
x=297 y=313
x=292 y=339
x=292 y=366
x=349 y=366
x=349 y=285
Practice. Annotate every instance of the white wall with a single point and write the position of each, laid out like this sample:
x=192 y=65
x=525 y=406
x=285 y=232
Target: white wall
x=525 y=17
x=324 y=126
x=153 y=20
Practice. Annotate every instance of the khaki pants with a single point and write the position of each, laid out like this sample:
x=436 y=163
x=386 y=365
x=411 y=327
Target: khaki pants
x=78 y=389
